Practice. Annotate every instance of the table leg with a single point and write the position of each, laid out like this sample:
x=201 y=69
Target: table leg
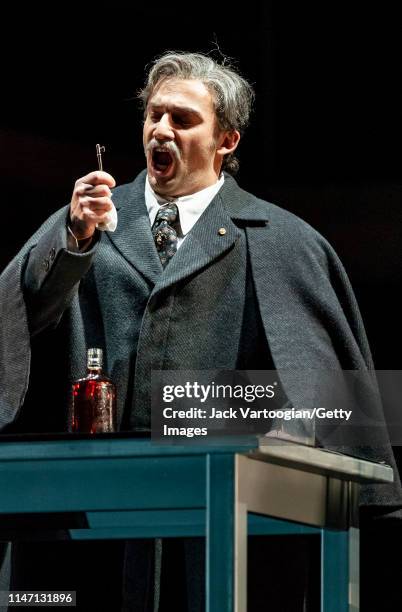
x=340 y=570
x=240 y=559
x=220 y=533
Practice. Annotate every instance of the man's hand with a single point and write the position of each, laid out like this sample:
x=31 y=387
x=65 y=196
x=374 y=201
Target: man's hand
x=91 y=203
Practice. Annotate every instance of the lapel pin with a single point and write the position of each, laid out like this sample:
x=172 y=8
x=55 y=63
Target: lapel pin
x=221 y=231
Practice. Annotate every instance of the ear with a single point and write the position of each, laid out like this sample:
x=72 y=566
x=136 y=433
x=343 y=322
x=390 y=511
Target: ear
x=228 y=142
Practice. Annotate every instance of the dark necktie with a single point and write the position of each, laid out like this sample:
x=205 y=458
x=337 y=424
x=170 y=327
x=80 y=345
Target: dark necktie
x=164 y=231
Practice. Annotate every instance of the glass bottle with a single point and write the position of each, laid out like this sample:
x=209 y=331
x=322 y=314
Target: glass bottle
x=94 y=398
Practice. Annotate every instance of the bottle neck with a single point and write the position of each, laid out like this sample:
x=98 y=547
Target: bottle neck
x=95 y=359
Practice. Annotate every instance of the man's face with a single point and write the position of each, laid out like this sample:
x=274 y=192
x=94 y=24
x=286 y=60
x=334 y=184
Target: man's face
x=181 y=138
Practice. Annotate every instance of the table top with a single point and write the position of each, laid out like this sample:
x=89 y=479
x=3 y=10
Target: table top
x=322 y=461
x=63 y=446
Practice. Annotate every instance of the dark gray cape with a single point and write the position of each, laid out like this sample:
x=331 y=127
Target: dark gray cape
x=308 y=309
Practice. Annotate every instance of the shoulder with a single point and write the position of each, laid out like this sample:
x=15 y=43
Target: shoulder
x=295 y=236
x=280 y=229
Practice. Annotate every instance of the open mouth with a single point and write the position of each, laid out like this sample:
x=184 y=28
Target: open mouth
x=162 y=161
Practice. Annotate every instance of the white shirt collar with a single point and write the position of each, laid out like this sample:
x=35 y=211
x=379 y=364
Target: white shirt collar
x=190 y=207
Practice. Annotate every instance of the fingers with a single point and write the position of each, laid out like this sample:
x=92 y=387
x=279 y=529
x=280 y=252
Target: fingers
x=91 y=202
x=87 y=212
x=90 y=207
x=98 y=177
x=85 y=189
x=96 y=205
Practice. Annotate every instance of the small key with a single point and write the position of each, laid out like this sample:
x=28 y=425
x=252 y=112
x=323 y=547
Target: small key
x=99 y=150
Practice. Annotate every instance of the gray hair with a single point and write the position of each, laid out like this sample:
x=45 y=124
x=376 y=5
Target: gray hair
x=232 y=94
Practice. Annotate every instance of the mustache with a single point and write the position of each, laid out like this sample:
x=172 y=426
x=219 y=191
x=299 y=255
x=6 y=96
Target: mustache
x=169 y=146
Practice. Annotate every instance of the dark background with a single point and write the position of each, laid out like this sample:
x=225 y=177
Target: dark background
x=325 y=140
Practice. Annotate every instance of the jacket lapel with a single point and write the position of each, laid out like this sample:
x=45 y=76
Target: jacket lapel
x=133 y=237
x=212 y=235
x=215 y=233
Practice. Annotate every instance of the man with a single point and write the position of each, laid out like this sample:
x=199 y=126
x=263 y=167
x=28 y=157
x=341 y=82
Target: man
x=198 y=274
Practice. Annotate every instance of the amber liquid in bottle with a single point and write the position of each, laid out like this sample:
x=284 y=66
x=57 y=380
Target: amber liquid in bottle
x=94 y=399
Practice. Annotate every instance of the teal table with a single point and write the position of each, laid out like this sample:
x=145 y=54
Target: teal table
x=131 y=488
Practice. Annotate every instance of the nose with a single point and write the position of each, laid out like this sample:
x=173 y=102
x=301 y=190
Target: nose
x=163 y=129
